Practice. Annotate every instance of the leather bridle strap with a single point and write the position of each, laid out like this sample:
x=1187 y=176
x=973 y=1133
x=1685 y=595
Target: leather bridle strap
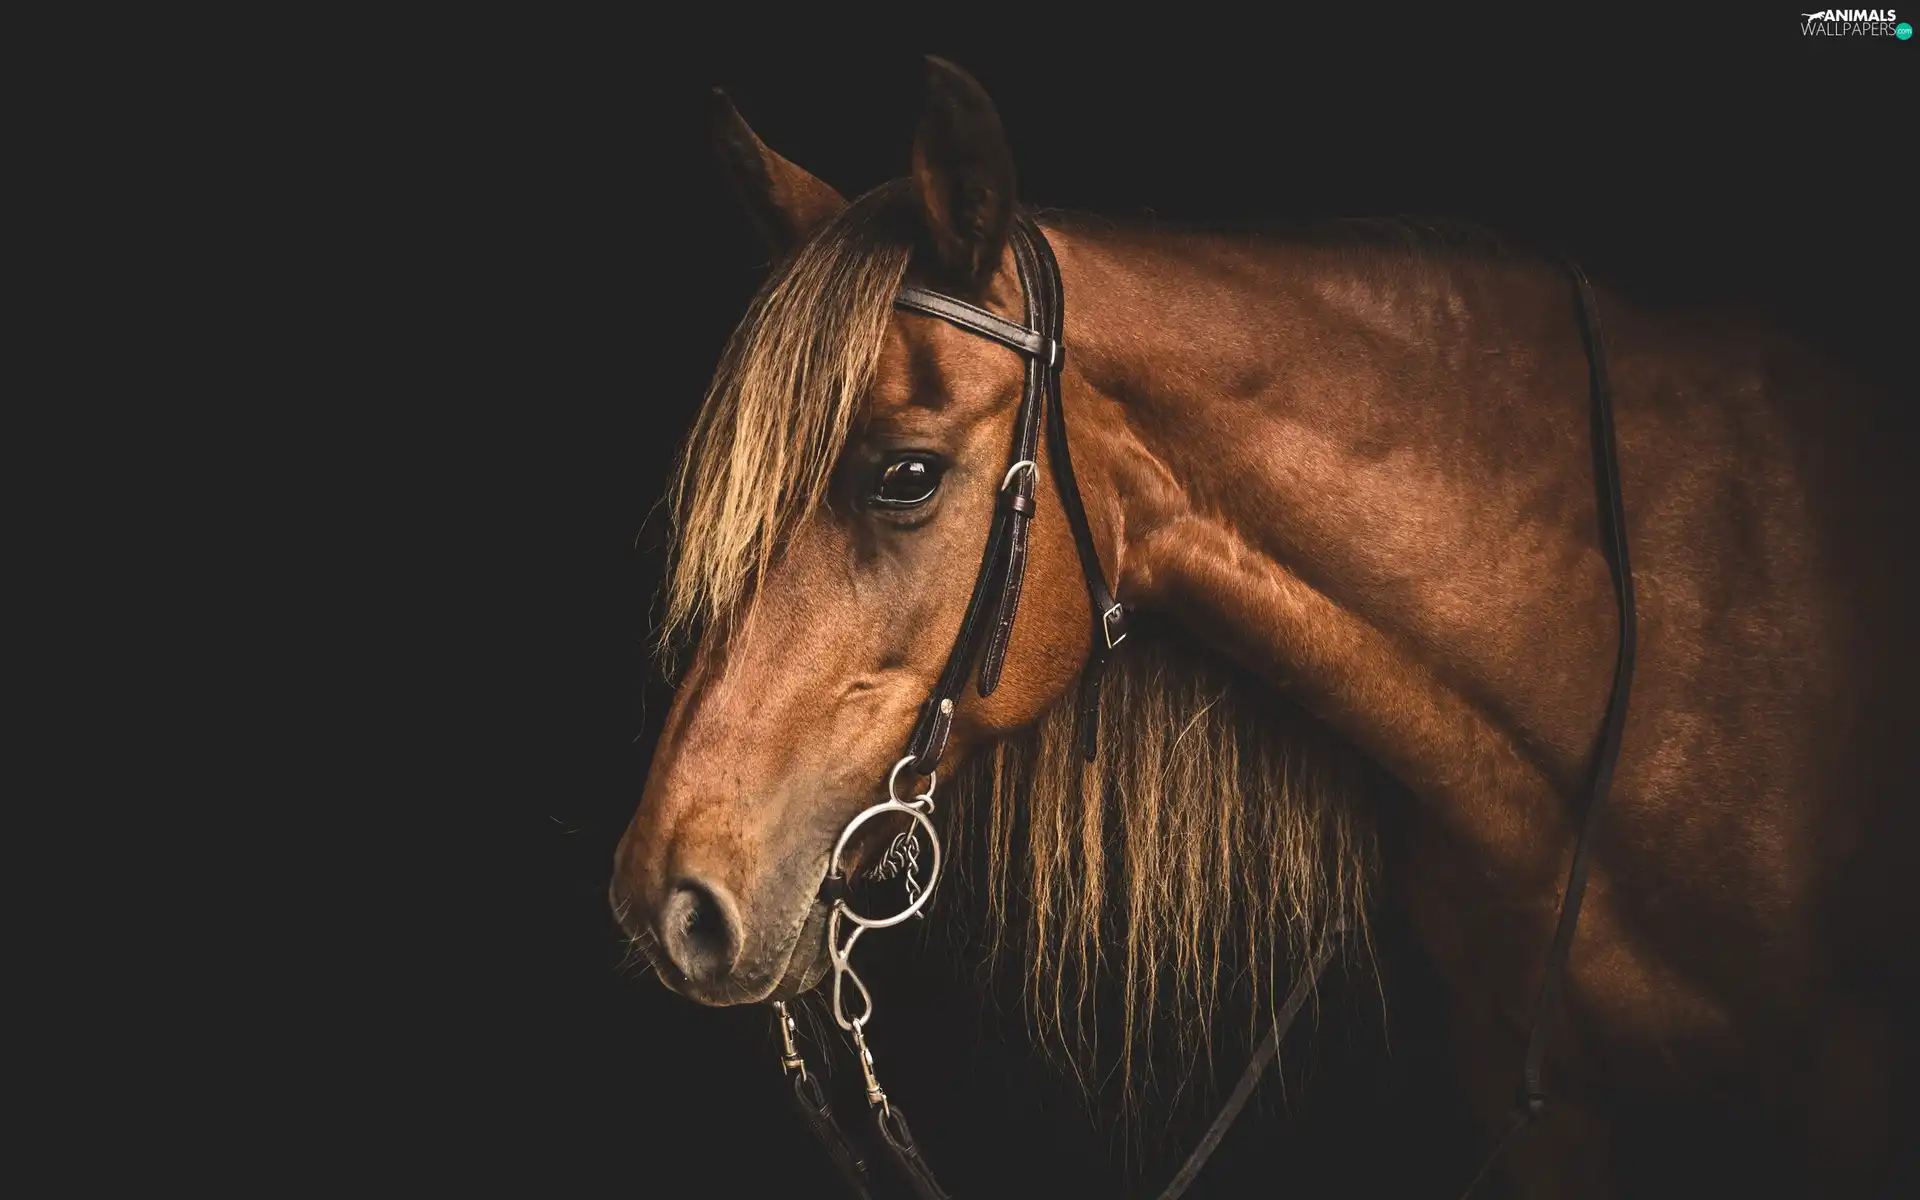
x=987 y=625
x=811 y=1100
x=1109 y=616
x=1249 y=1078
x=899 y=1142
x=1532 y=1104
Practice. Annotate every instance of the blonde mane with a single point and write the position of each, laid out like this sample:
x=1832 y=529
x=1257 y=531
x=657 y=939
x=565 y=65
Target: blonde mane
x=1220 y=836
x=1219 y=840
x=790 y=381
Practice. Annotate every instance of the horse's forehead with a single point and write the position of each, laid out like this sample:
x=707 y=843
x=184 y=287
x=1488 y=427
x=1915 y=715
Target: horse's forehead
x=926 y=364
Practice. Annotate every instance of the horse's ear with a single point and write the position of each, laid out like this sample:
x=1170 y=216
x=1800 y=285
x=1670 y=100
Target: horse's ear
x=963 y=169
x=784 y=202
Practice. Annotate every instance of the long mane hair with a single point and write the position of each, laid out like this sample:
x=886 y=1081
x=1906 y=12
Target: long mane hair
x=1220 y=837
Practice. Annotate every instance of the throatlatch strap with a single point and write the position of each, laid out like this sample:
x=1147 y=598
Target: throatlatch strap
x=1109 y=617
x=1532 y=1103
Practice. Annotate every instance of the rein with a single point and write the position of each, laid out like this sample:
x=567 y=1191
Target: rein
x=985 y=630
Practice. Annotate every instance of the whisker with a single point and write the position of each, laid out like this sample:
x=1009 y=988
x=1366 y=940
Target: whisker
x=642 y=947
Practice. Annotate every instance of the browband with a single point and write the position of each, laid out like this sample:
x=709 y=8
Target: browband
x=984 y=323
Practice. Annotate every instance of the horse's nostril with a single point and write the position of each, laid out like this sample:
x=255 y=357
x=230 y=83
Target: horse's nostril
x=700 y=931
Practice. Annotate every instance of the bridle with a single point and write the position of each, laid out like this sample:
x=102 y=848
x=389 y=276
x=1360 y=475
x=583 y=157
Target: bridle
x=985 y=630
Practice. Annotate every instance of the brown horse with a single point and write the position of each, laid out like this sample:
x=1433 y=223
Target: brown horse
x=1362 y=474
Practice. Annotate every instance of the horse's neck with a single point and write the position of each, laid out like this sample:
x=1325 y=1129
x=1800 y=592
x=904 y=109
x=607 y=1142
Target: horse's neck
x=1369 y=477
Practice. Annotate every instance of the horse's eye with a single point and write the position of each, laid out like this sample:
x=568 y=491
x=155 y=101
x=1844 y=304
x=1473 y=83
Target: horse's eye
x=906 y=482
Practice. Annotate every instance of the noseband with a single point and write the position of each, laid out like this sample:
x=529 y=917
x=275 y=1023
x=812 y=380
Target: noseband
x=985 y=630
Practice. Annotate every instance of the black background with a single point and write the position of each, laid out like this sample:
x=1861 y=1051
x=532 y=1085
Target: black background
x=523 y=263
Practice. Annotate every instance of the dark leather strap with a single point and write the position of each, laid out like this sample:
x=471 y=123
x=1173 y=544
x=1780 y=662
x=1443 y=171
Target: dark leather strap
x=929 y=738
x=811 y=1100
x=986 y=628
x=1109 y=616
x=1230 y=1111
x=989 y=325
x=1532 y=1103
x=892 y=1124
x=1021 y=481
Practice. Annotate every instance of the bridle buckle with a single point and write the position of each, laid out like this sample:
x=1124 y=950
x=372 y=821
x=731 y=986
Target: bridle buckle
x=1107 y=620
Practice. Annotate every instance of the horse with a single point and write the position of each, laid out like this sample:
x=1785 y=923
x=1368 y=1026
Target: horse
x=1347 y=483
